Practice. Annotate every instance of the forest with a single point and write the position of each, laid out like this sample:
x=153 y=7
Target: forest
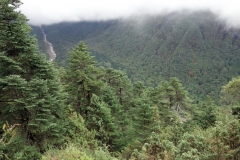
x=192 y=46
x=86 y=111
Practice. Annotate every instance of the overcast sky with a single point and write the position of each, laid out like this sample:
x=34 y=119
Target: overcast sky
x=54 y=11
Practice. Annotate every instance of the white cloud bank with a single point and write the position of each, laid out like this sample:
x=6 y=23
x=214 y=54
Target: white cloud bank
x=54 y=11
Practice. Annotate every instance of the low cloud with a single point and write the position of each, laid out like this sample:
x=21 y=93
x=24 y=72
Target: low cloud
x=52 y=11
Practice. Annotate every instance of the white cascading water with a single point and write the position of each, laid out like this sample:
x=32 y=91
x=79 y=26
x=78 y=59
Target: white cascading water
x=50 y=50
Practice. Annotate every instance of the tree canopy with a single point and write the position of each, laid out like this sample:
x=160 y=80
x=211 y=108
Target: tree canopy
x=85 y=111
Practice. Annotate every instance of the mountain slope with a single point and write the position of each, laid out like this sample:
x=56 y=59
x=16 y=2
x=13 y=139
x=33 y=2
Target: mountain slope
x=196 y=48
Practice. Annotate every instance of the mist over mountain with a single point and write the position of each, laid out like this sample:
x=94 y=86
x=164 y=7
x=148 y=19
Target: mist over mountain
x=195 y=47
x=49 y=11
x=120 y=85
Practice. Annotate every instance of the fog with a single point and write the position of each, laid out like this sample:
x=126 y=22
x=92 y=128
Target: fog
x=55 y=11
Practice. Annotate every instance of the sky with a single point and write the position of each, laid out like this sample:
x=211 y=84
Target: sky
x=55 y=11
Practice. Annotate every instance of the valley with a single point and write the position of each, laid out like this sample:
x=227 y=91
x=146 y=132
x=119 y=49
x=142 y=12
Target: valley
x=145 y=87
x=196 y=48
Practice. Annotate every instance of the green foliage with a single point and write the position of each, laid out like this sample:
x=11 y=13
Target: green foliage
x=76 y=152
x=193 y=146
x=102 y=114
x=81 y=79
x=102 y=153
x=218 y=142
x=171 y=97
x=129 y=149
x=236 y=111
x=232 y=95
x=143 y=119
x=78 y=133
x=205 y=113
x=180 y=99
x=225 y=140
x=119 y=81
x=101 y=120
x=194 y=47
x=157 y=147
x=71 y=152
x=13 y=145
x=37 y=32
x=232 y=91
x=30 y=93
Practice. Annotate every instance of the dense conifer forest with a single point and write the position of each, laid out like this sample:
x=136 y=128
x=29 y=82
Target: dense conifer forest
x=195 y=47
x=88 y=111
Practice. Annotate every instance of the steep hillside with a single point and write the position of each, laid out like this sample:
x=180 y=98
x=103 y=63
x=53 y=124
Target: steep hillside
x=194 y=47
x=37 y=32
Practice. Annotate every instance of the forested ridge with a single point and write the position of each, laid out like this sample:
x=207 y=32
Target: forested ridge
x=193 y=46
x=87 y=111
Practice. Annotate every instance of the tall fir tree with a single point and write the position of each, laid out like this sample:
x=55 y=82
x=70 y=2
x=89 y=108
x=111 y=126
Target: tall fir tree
x=81 y=79
x=30 y=94
x=87 y=98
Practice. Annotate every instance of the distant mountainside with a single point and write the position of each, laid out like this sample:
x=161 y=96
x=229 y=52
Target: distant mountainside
x=194 y=47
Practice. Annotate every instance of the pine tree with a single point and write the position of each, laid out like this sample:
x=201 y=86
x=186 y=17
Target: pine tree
x=138 y=88
x=232 y=91
x=30 y=94
x=232 y=95
x=89 y=96
x=101 y=120
x=119 y=81
x=205 y=113
x=181 y=98
x=162 y=97
x=121 y=121
x=143 y=117
x=81 y=79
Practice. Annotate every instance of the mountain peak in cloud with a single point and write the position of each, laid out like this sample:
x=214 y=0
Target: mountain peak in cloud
x=51 y=11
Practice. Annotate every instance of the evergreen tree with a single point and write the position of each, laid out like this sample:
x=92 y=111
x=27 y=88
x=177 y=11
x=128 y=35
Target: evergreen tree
x=159 y=148
x=232 y=91
x=232 y=95
x=119 y=81
x=119 y=97
x=101 y=120
x=81 y=79
x=89 y=96
x=181 y=98
x=108 y=95
x=138 y=88
x=205 y=113
x=161 y=96
x=193 y=146
x=144 y=117
x=30 y=94
x=168 y=97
